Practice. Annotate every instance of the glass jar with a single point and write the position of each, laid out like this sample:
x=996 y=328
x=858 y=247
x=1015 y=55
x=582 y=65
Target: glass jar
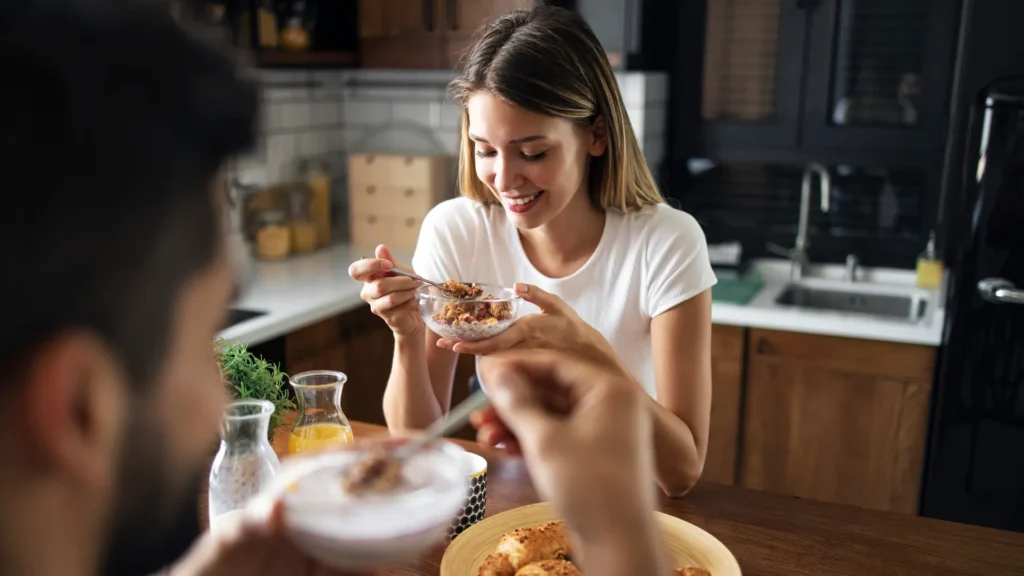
x=304 y=233
x=320 y=423
x=246 y=462
x=273 y=235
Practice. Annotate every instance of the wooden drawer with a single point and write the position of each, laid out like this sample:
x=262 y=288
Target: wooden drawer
x=397 y=232
x=429 y=172
x=414 y=201
x=854 y=355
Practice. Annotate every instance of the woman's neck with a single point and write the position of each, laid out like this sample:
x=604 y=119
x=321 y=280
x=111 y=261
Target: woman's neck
x=562 y=246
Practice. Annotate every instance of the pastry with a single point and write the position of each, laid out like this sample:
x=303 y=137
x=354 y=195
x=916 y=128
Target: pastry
x=496 y=565
x=549 y=568
x=525 y=546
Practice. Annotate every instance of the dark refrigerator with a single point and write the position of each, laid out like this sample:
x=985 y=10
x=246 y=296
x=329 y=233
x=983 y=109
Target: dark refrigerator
x=975 y=468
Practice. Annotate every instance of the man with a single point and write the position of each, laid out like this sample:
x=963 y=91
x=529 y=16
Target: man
x=116 y=282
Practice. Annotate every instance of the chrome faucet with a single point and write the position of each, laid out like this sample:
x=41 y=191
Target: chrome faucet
x=798 y=254
x=852 y=263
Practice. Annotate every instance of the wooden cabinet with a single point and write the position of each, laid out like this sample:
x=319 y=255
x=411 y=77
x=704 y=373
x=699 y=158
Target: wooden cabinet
x=811 y=76
x=423 y=34
x=835 y=419
x=356 y=343
x=727 y=343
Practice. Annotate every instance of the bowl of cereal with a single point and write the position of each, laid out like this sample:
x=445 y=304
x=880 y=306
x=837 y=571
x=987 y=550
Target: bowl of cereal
x=468 y=312
x=358 y=508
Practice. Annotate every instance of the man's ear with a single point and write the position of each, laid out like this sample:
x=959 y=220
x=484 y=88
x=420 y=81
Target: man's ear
x=599 y=133
x=72 y=398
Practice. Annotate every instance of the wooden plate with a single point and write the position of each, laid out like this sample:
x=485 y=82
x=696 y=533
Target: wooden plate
x=687 y=544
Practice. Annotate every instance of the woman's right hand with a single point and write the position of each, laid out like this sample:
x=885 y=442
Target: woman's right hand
x=391 y=297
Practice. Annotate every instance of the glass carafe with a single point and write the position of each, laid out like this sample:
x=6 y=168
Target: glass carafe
x=320 y=423
x=246 y=461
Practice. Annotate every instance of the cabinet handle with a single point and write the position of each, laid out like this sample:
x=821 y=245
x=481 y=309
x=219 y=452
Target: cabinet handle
x=409 y=192
x=410 y=222
x=371 y=190
x=428 y=15
x=452 y=13
x=372 y=219
x=763 y=347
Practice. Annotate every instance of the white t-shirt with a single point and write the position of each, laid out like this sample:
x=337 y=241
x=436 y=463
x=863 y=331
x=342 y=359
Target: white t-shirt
x=645 y=263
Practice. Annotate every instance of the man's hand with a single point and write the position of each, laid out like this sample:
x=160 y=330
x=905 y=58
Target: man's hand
x=250 y=546
x=583 y=430
x=586 y=436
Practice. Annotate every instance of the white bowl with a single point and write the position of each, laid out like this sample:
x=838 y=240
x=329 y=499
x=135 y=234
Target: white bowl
x=348 y=532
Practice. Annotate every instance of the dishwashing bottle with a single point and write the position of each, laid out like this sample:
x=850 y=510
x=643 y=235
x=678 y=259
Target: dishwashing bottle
x=929 y=267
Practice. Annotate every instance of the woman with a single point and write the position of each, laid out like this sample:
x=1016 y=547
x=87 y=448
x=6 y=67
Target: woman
x=558 y=200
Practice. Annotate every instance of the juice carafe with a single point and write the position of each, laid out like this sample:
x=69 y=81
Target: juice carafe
x=320 y=423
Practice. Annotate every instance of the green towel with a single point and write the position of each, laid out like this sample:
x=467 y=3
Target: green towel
x=734 y=289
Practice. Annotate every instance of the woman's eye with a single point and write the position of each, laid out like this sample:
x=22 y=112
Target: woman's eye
x=485 y=153
x=535 y=157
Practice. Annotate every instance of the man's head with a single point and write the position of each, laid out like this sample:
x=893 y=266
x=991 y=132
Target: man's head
x=116 y=124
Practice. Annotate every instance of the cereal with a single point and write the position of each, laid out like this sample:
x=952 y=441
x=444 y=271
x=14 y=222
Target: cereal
x=376 y=472
x=468 y=320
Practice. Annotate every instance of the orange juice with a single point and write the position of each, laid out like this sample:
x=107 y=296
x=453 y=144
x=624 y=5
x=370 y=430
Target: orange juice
x=316 y=437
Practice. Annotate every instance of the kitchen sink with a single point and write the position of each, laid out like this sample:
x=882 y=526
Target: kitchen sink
x=239 y=315
x=910 y=307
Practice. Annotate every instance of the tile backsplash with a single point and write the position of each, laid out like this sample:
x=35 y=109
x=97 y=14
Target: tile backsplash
x=330 y=114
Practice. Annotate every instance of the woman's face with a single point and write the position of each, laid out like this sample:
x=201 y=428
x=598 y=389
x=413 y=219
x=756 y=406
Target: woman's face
x=536 y=165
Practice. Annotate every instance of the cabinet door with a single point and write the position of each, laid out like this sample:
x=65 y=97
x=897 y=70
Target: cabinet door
x=462 y=18
x=836 y=419
x=879 y=73
x=726 y=400
x=400 y=34
x=753 y=61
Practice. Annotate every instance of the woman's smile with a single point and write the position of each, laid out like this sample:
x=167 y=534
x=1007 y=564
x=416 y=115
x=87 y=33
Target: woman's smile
x=521 y=203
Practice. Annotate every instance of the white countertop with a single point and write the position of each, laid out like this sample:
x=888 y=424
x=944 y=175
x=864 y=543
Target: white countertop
x=305 y=289
x=763 y=312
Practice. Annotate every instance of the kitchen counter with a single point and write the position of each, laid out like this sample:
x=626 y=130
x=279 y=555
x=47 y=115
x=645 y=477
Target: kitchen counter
x=305 y=289
x=763 y=312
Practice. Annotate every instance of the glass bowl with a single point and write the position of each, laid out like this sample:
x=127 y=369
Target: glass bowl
x=354 y=532
x=469 y=319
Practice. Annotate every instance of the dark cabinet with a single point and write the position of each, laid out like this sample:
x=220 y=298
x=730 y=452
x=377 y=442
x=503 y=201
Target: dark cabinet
x=636 y=34
x=829 y=80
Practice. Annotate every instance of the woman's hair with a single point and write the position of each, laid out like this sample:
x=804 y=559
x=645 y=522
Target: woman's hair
x=547 y=60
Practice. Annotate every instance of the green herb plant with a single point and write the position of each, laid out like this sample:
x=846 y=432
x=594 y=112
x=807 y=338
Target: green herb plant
x=249 y=377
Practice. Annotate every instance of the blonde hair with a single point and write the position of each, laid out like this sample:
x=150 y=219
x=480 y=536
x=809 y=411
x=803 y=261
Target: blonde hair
x=548 y=60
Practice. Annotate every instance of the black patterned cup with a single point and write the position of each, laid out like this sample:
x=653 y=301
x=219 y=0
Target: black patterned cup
x=476 y=499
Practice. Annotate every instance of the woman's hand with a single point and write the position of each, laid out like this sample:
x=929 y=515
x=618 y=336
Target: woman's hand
x=391 y=297
x=557 y=327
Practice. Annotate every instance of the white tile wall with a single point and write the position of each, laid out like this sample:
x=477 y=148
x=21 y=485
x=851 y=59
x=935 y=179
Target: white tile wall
x=328 y=114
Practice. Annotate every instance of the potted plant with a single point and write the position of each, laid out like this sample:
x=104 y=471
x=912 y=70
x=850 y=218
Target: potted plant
x=248 y=376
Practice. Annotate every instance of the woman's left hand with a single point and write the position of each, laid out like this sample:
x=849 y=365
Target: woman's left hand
x=557 y=327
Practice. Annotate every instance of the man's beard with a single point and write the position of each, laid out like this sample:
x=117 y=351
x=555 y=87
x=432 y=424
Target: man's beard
x=155 y=522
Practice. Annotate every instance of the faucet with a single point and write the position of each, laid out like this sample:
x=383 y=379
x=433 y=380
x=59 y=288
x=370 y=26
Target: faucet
x=798 y=254
x=852 y=263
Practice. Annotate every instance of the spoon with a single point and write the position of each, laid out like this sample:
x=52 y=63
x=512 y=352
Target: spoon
x=377 y=469
x=455 y=419
x=425 y=281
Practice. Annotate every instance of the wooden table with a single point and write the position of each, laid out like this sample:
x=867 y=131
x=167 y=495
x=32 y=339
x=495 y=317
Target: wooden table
x=785 y=536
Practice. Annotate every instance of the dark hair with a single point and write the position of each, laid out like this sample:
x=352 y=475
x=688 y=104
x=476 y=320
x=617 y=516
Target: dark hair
x=116 y=121
x=547 y=60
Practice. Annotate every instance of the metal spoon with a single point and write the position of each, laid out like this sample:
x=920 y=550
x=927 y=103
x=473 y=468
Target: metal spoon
x=425 y=281
x=455 y=419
